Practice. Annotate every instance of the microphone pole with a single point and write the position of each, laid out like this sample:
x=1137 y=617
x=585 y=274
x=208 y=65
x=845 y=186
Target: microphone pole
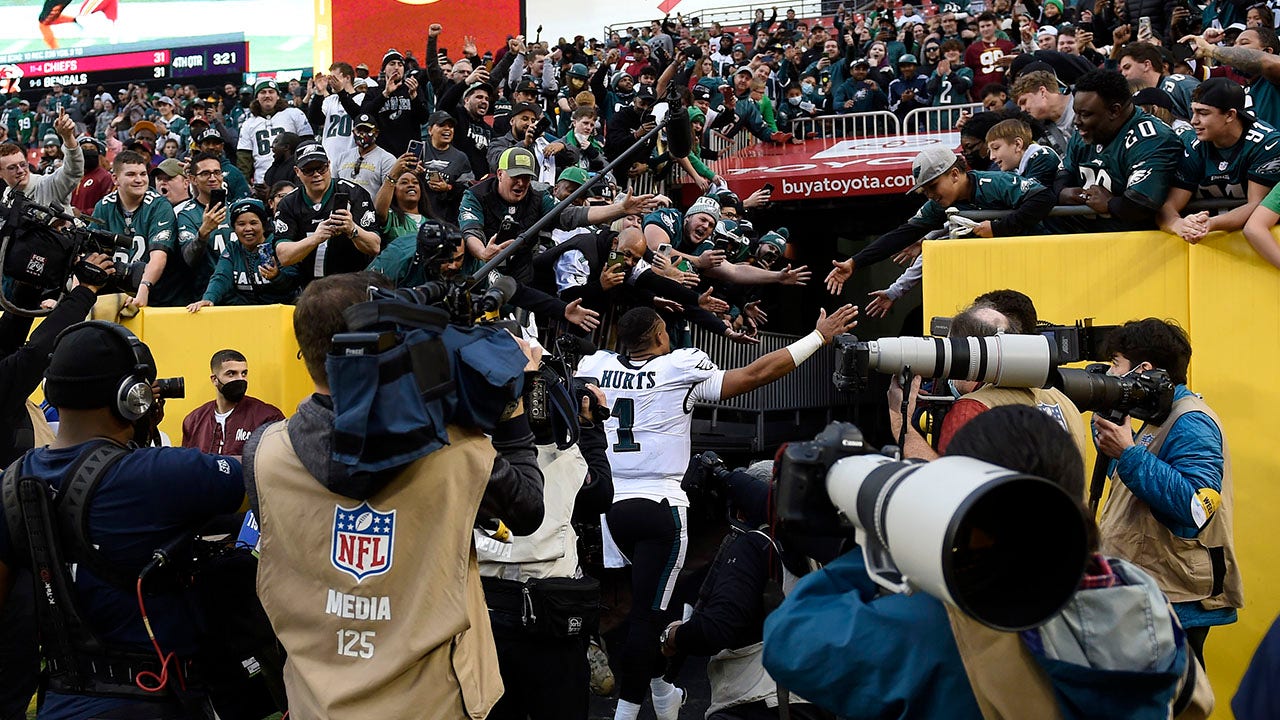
x=550 y=217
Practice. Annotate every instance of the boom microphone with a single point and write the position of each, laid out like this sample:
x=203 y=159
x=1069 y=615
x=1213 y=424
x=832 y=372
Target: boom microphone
x=498 y=294
x=679 y=131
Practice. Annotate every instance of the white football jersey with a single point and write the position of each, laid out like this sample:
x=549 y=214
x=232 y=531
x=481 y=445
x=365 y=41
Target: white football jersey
x=336 y=135
x=650 y=403
x=257 y=132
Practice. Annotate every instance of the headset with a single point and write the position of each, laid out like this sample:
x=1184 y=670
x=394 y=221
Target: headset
x=133 y=398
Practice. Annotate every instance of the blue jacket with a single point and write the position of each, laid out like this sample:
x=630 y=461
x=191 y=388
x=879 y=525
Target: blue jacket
x=839 y=644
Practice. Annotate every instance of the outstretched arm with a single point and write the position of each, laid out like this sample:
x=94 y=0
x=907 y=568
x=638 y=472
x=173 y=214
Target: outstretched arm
x=774 y=365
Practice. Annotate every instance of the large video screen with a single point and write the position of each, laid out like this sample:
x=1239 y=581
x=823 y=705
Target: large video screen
x=279 y=32
x=364 y=29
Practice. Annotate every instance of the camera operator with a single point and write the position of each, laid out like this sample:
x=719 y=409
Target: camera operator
x=100 y=380
x=728 y=620
x=1171 y=510
x=22 y=365
x=55 y=187
x=651 y=390
x=135 y=210
x=413 y=636
x=543 y=658
x=972 y=399
x=841 y=642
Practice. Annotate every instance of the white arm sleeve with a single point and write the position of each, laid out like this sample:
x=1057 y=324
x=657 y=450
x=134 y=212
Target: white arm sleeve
x=907 y=280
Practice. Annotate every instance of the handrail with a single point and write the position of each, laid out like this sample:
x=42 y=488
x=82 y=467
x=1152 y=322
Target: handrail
x=944 y=117
x=1085 y=210
x=861 y=124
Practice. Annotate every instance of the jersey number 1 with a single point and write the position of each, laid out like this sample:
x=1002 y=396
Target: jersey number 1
x=625 y=410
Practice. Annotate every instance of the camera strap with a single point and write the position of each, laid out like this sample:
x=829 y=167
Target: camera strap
x=72 y=504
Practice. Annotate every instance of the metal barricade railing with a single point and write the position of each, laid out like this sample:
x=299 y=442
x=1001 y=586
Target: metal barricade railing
x=646 y=184
x=863 y=124
x=935 y=119
x=739 y=15
x=725 y=147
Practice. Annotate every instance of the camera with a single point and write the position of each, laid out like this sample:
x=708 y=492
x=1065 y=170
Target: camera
x=542 y=126
x=1146 y=396
x=174 y=387
x=1004 y=360
x=553 y=394
x=42 y=246
x=1074 y=343
x=956 y=528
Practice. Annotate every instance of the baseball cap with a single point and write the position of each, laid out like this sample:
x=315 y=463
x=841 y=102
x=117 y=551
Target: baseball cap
x=908 y=59
x=518 y=162
x=170 y=168
x=1048 y=30
x=577 y=70
x=365 y=120
x=527 y=85
x=1154 y=96
x=311 y=153
x=440 y=117
x=645 y=92
x=209 y=134
x=701 y=92
x=520 y=107
x=144 y=125
x=739 y=47
x=575 y=174
x=478 y=85
x=930 y=164
x=164 y=100
x=24 y=101
x=706 y=205
x=1222 y=93
x=266 y=85
x=862 y=62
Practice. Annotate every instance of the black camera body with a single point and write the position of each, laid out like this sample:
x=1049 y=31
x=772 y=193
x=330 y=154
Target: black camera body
x=851 y=364
x=174 y=387
x=1146 y=396
x=555 y=384
x=42 y=246
x=804 y=506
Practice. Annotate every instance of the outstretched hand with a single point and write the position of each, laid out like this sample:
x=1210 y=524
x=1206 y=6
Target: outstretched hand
x=839 y=322
x=841 y=271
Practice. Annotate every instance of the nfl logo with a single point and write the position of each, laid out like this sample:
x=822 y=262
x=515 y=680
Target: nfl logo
x=363 y=540
x=1222 y=165
x=1055 y=412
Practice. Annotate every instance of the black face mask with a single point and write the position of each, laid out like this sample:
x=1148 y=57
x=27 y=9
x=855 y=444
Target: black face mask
x=91 y=159
x=234 y=391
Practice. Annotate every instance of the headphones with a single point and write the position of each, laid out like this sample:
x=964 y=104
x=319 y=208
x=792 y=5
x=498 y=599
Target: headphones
x=133 y=397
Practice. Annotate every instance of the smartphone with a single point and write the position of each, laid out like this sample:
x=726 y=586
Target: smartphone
x=341 y=200
x=768 y=187
x=1144 y=28
x=217 y=197
x=418 y=149
x=615 y=258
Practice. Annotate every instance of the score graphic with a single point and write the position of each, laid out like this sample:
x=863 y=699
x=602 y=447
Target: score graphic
x=139 y=66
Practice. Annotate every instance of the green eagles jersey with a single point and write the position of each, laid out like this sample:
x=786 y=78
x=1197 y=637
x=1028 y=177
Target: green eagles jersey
x=1179 y=88
x=991 y=191
x=151 y=226
x=22 y=126
x=953 y=92
x=190 y=215
x=1213 y=172
x=1263 y=98
x=1041 y=164
x=671 y=222
x=1138 y=162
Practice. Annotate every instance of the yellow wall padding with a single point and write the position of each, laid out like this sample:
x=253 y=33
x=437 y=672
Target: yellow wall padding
x=1228 y=300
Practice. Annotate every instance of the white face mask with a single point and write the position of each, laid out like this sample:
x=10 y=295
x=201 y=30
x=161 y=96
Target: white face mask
x=794 y=99
x=808 y=87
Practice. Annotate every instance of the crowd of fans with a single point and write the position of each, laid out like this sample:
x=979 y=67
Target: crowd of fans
x=420 y=170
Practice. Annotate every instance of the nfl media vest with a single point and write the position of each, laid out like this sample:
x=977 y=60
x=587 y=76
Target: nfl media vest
x=1202 y=568
x=378 y=603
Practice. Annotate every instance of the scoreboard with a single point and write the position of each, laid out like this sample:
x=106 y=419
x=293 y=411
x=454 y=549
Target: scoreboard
x=19 y=75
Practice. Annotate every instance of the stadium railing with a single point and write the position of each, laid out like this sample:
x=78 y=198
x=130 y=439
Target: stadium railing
x=862 y=124
x=935 y=119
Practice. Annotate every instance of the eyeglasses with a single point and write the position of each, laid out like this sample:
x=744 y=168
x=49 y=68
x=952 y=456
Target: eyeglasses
x=315 y=170
x=206 y=174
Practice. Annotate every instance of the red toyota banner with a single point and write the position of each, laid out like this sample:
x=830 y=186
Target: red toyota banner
x=364 y=29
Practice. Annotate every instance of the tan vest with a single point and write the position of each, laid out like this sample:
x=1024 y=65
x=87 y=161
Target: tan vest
x=39 y=426
x=1049 y=400
x=1183 y=567
x=379 y=604
x=552 y=550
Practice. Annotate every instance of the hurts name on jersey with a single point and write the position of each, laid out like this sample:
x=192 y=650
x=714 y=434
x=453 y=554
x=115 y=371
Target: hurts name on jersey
x=622 y=380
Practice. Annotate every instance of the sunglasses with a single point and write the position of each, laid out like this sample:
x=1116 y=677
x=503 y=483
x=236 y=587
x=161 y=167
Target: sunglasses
x=315 y=170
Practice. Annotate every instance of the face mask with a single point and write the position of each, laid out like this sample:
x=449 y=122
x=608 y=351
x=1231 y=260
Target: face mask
x=808 y=87
x=794 y=100
x=365 y=142
x=234 y=391
x=91 y=159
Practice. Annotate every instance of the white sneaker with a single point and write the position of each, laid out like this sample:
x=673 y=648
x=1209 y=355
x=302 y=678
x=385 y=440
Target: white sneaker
x=668 y=708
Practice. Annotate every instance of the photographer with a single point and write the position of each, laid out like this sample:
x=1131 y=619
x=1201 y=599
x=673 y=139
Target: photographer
x=728 y=620
x=22 y=367
x=867 y=654
x=543 y=658
x=1170 y=508
x=384 y=561
x=100 y=379
x=55 y=187
x=651 y=390
x=972 y=399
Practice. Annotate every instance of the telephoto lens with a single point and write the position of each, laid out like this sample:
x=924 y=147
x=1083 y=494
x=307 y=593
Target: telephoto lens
x=174 y=387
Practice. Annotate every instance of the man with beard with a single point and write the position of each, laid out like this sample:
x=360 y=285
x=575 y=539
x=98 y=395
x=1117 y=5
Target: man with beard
x=366 y=164
x=468 y=103
x=97 y=180
x=397 y=105
x=221 y=425
x=448 y=171
x=1120 y=162
x=269 y=116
